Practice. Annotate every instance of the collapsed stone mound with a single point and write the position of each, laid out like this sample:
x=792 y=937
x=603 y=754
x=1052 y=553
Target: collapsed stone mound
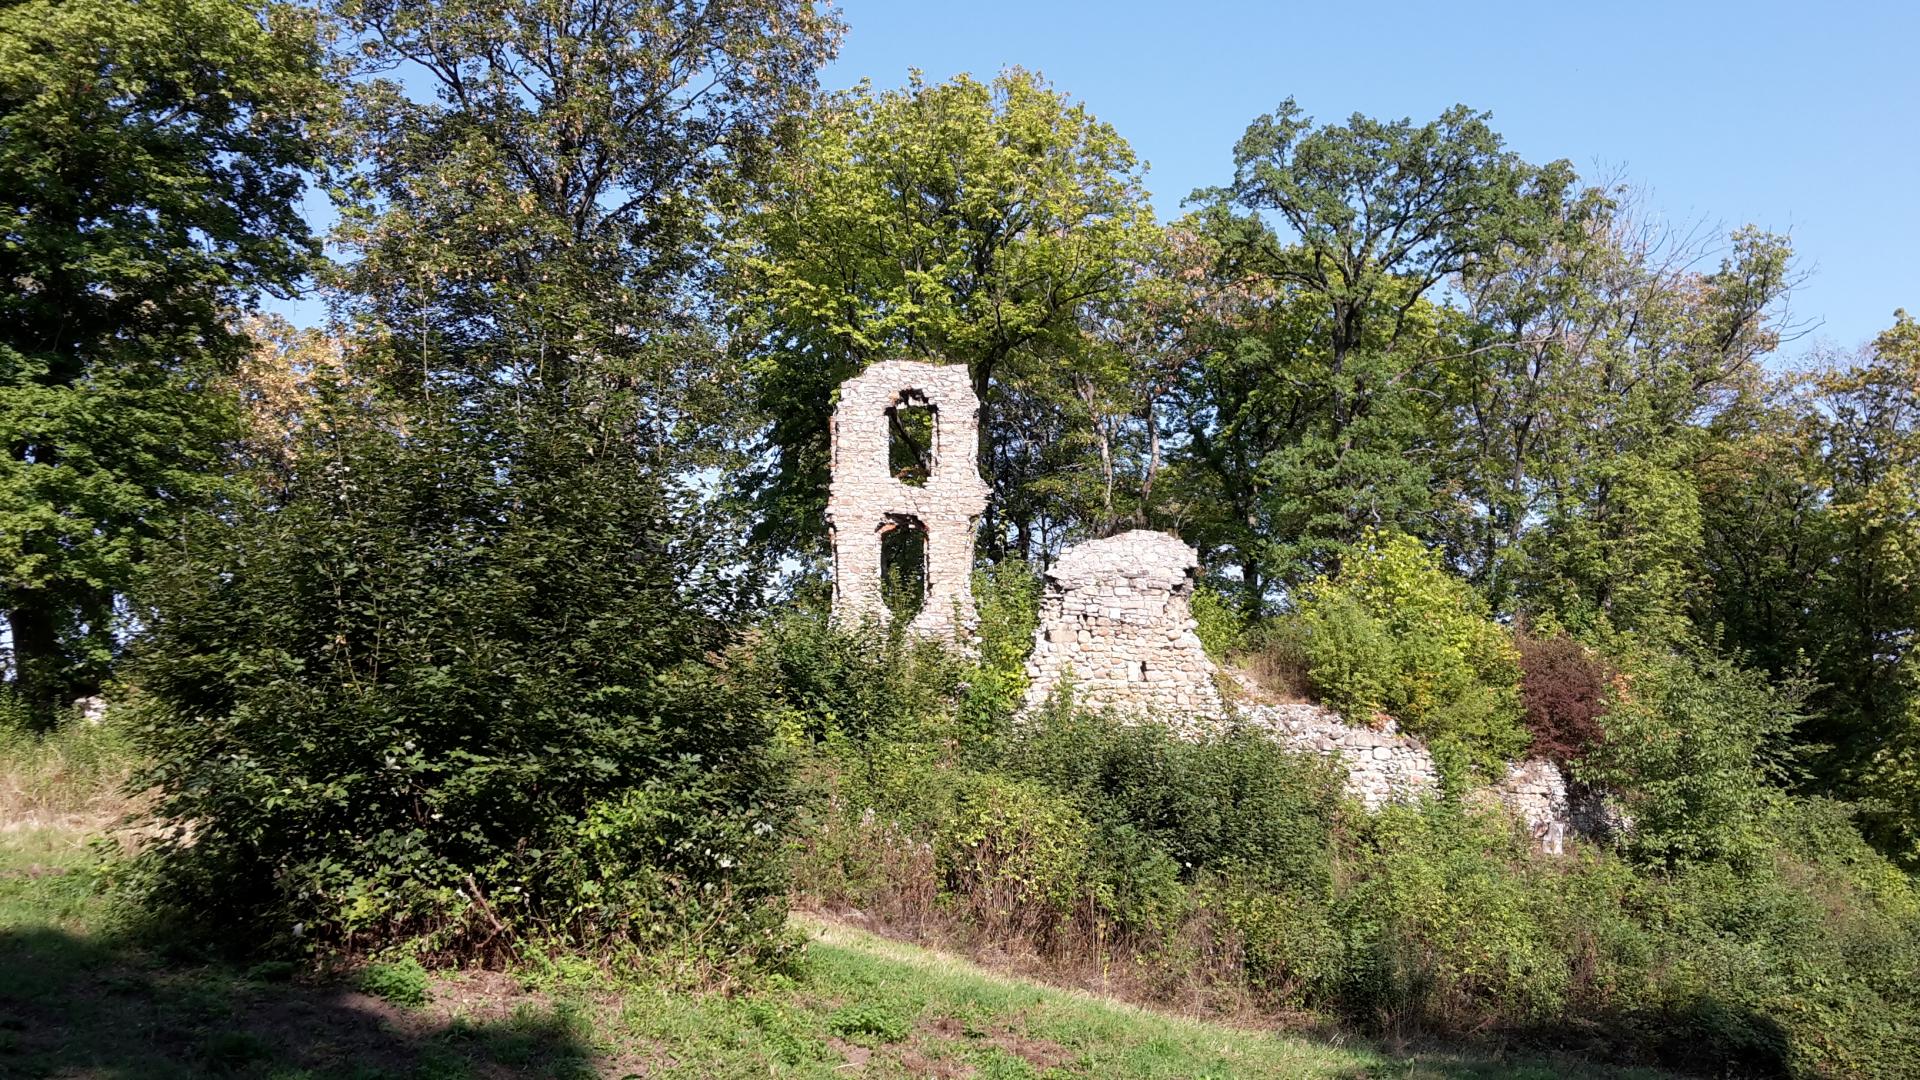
x=1116 y=624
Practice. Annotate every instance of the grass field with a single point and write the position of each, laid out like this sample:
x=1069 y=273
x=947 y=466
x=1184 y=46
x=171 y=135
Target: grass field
x=74 y=1002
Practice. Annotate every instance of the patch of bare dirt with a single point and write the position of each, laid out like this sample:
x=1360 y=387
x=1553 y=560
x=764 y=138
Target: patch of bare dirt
x=1042 y=1054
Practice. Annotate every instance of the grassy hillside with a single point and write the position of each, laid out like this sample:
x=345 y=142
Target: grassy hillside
x=76 y=1002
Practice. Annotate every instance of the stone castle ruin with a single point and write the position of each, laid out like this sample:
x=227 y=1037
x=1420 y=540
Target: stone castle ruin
x=1115 y=625
x=1116 y=629
x=906 y=494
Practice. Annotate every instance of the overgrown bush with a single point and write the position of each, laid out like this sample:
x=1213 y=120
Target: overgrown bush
x=1800 y=963
x=1694 y=751
x=1237 y=802
x=1184 y=870
x=1007 y=596
x=457 y=689
x=1015 y=856
x=1395 y=633
x=1446 y=927
x=1564 y=692
x=868 y=684
x=863 y=683
x=1223 y=628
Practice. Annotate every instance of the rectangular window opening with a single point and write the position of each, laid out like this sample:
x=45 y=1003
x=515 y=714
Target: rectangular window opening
x=910 y=435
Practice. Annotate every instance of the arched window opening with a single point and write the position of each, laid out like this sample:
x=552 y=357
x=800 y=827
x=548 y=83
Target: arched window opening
x=903 y=566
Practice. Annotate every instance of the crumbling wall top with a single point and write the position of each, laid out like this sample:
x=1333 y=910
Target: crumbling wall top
x=1141 y=558
x=1116 y=625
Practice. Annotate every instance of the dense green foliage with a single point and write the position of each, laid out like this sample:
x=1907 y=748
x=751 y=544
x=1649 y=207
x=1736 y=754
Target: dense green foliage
x=426 y=697
x=1227 y=867
x=1395 y=633
x=151 y=156
x=452 y=679
x=1696 y=750
x=965 y=222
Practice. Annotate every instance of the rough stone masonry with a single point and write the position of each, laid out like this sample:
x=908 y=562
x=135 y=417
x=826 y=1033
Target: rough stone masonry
x=866 y=501
x=1116 y=625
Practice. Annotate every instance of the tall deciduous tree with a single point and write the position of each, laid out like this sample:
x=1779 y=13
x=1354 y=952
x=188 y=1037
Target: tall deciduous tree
x=539 y=188
x=457 y=678
x=1590 y=366
x=151 y=165
x=966 y=222
x=1354 y=226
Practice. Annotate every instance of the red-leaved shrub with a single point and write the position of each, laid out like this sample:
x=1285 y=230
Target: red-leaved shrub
x=1563 y=693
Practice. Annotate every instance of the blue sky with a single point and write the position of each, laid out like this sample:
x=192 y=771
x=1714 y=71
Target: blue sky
x=1788 y=116
x=1721 y=114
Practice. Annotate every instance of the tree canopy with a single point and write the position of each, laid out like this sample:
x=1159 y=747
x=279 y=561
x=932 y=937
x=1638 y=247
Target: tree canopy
x=153 y=158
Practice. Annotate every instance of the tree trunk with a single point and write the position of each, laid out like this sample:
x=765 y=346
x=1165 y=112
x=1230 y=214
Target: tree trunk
x=37 y=659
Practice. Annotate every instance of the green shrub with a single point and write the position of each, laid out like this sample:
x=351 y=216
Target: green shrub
x=1015 y=855
x=1446 y=931
x=860 y=683
x=1290 y=949
x=1693 y=751
x=1222 y=626
x=1802 y=961
x=1352 y=659
x=1236 y=801
x=1141 y=889
x=402 y=982
x=872 y=684
x=1007 y=596
x=457 y=687
x=1395 y=632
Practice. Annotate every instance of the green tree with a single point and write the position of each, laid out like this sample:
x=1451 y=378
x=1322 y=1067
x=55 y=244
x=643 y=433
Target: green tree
x=1812 y=548
x=1619 y=550
x=456 y=678
x=1872 y=456
x=1354 y=226
x=544 y=213
x=1577 y=407
x=965 y=222
x=1768 y=551
x=418 y=693
x=153 y=157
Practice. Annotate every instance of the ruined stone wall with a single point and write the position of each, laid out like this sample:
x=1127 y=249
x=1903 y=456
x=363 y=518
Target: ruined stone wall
x=865 y=499
x=1115 y=622
x=1535 y=791
x=1382 y=766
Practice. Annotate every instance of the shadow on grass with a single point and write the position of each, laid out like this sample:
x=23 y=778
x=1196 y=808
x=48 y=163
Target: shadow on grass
x=73 y=1006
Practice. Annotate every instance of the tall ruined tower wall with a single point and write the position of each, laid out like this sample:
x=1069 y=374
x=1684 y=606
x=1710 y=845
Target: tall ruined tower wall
x=866 y=500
